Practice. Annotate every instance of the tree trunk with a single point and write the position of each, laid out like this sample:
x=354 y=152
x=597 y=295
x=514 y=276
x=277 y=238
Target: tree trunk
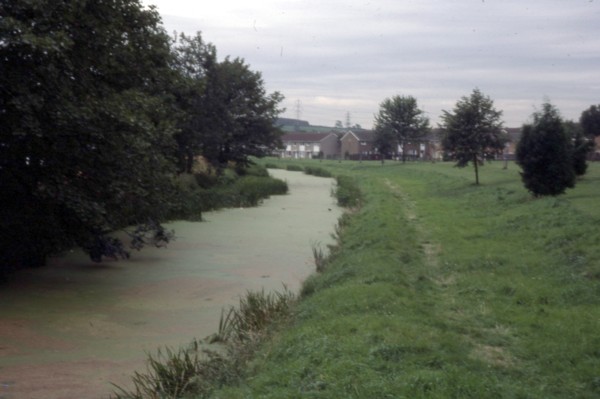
x=403 y=152
x=476 y=169
x=189 y=162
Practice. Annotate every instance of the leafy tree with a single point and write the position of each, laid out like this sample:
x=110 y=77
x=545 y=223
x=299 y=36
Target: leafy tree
x=473 y=131
x=193 y=59
x=544 y=154
x=590 y=121
x=385 y=142
x=400 y=120
x=85 y=127
x=247 y=127
x=581 y=146
x=228 y=114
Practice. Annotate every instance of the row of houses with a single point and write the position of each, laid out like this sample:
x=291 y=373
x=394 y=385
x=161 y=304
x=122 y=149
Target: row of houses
x=357 y=144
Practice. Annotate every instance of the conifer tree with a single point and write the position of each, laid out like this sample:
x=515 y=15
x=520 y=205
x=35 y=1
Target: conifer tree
x=544 y=154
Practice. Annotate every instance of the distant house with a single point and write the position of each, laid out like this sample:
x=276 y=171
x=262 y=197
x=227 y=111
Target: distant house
x=302 y=145
x=430 y=147
x=358 y=145
x=595 y=156
x=514 y=135
x=427 y=148
x=508 y=153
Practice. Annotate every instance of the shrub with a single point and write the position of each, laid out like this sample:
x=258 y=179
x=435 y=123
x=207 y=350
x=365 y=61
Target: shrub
x=186 y=204
x=347 y=192
x=544 y=154
x=294 y=168
x=205 y=192
x=252 y=170
x=228 y=176
x=317 y=171
x=206 y=180
x=252 y=189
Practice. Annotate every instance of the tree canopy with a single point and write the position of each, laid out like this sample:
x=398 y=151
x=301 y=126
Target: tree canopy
x=590 y=121
x=544 y=154
x=398 y=122
x=473 y=132
x=84 y=127
x=581 y=146
x=228 y=114
x=99 y=110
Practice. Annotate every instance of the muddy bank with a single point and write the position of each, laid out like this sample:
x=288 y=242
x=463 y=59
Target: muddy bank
x=70 y=329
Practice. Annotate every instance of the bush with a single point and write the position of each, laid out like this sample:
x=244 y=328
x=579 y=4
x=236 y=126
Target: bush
x=206 y=192
x=317 y=171
x=205 y=180
x=545 y=154
x=187 y=204
x=347 y=192
x=228 y=176
x=294 y=168
x=252 y=189
x=252 y=170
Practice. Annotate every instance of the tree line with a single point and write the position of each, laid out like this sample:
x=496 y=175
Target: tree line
x=99 y=110
x=551 y=152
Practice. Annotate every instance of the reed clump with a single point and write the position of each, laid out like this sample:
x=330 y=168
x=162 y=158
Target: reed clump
x=221 y=359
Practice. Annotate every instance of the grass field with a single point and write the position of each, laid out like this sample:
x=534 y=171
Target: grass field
x=443 y=289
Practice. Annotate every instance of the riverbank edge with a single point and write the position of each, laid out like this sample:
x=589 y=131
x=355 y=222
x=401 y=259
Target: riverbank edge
x=444 y=289
x=430 y=296
x=220 y=359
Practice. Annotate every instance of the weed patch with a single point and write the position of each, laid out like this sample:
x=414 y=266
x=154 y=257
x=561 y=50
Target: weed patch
x=233 y=187
x=317 y=171
x=347 y=192
x=197 y=370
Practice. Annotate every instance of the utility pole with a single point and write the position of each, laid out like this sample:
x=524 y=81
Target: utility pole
x=298 y=109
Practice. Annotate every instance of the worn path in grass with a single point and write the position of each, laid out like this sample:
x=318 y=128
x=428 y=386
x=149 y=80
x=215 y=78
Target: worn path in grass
x=70 y=329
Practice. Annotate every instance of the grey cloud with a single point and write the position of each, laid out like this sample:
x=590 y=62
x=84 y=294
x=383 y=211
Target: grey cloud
x=341 y=56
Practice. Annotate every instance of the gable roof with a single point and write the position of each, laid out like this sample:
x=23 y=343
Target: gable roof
x=514 y=134
x=304 y=136
x=361 y=135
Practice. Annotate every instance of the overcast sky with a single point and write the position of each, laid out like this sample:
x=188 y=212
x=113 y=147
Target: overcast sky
x=335 y=57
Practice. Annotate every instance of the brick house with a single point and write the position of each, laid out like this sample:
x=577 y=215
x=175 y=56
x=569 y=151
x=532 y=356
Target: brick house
x=300 y=145
x=358 y=145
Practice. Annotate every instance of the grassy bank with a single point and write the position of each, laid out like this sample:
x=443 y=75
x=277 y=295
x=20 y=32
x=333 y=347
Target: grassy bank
x=444 y=289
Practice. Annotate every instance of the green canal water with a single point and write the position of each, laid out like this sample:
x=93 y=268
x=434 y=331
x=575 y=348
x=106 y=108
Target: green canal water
x=72 y=328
